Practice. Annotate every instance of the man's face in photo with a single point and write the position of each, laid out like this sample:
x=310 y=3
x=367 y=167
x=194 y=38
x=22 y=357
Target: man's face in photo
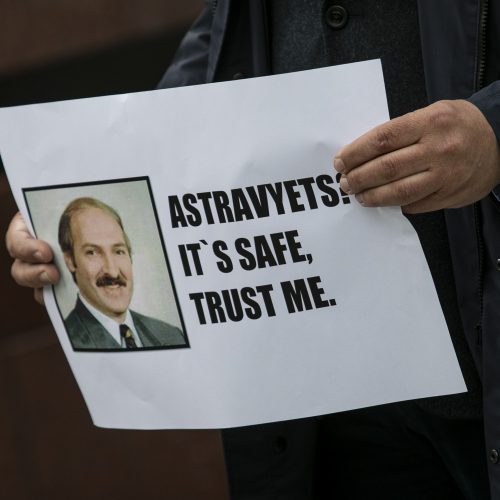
x=101 y=262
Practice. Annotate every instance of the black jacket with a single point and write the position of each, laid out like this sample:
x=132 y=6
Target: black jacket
x=461 y=54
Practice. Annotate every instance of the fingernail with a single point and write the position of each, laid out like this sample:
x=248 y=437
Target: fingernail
x=44 y=277
x=37 y=255
x=359 y=198
x=338 y=164
x=344 y=185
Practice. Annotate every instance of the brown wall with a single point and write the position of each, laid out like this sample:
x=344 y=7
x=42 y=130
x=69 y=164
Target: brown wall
x=37 y=32
x=49 y=449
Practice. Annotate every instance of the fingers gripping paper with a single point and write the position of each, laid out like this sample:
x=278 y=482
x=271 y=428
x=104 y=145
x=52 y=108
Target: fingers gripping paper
x=214 y=274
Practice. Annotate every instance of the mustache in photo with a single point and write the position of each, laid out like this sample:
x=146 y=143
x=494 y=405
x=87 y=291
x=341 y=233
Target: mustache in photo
x=108 y=280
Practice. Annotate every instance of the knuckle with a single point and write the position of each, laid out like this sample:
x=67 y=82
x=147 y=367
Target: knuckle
x=13 y=247
x=450 y=144
x=354 y=180
x=9 y=244
x=441 y=114
x=385 y=137
x=389 y=168
x=16 y=272
x=369 y=198
x=404 y=193
x=9 y=247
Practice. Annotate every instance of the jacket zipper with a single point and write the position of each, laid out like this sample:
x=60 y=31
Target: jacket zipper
x=482 y=33
x=480 y=277
x=480 y=71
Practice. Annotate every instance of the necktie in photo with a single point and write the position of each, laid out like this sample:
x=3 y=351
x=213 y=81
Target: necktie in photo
x=127 y=335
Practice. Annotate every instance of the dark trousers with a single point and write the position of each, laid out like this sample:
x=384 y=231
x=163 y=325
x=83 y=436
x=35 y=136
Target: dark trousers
x=392 y=452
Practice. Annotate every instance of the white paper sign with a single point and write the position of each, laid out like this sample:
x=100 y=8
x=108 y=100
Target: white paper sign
x=258 y=290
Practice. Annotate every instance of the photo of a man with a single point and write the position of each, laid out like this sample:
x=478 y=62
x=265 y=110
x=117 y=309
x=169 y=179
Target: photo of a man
x=98 y=254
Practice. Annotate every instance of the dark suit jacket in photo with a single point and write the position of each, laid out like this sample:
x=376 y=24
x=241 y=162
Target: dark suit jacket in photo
x=86 y=333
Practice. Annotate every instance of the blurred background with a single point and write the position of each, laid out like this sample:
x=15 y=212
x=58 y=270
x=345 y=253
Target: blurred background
x=49 y=449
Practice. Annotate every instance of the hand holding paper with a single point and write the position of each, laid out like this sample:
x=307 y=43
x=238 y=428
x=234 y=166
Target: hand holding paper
x=443 y=156
x=32 y=258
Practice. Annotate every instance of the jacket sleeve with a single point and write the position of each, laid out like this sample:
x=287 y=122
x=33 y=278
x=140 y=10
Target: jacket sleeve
x=190 y=63
x=488 y=101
